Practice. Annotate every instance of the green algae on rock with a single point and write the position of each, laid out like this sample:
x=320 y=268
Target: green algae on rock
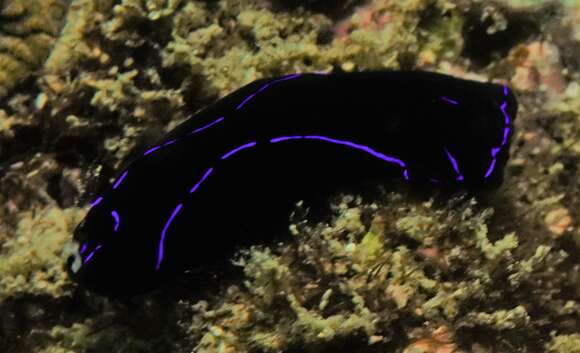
x=31 y=259
x=28 y=28
x=565 y=344
x=324 y=287
x=543 y=174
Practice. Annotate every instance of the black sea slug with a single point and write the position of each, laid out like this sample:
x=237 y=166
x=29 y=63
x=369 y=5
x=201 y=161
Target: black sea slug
x=229 y=176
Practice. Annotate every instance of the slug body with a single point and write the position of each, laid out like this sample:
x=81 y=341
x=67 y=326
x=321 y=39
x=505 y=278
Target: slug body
x=230 y=175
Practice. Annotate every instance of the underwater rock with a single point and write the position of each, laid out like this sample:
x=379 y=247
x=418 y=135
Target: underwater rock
x=86 y=111
x=31 y=261
x=28 y=29
x=320 y=290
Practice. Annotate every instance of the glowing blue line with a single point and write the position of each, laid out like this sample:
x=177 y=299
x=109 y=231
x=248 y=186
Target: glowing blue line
x=115 y=215
x=449 y=100
x=264 y=87
x=97 y=201
x=163 y=233
x=288 y=77
x=285 y=78
x=92 y=253
x=284 y=138
x=206 y=126
x=260 y=90
x=454 y=164
x=207 y=173
x=359 y=147
x=349 y=144
x=155 y=148
x=505 y=136
x=246 y=100
x=151 y=150
x=90 y=256
x=118 y=182
x=490 y=169
x=506 y=130
x=491 y=166
x=247 y=145
x=505 y=115
x=170 y=142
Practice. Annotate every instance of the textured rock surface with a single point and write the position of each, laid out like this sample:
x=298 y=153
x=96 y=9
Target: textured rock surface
x=404 y=274
x=28 y=29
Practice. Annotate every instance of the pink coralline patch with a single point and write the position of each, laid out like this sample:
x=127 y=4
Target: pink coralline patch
x=538 y=67
x=435 y=256
x=365 y=16
x=439 y=341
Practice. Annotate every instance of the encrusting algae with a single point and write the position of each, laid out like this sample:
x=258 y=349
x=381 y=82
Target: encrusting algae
x=82 y=90
x=31 y=262
x=334 y=285
x=28 y=29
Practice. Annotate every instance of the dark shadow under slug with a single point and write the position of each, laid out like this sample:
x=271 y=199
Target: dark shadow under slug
x=229 y=176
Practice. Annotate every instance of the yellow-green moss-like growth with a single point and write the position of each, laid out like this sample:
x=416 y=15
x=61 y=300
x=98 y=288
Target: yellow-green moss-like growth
x=411 y=266
x=28 y=29
x=565 y=344
x=31 y=260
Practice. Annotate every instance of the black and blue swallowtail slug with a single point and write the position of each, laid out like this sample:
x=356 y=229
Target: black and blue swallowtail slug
x=230 y=175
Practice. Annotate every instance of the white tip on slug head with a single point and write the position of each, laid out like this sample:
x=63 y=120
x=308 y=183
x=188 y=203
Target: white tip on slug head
x=73 y=256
